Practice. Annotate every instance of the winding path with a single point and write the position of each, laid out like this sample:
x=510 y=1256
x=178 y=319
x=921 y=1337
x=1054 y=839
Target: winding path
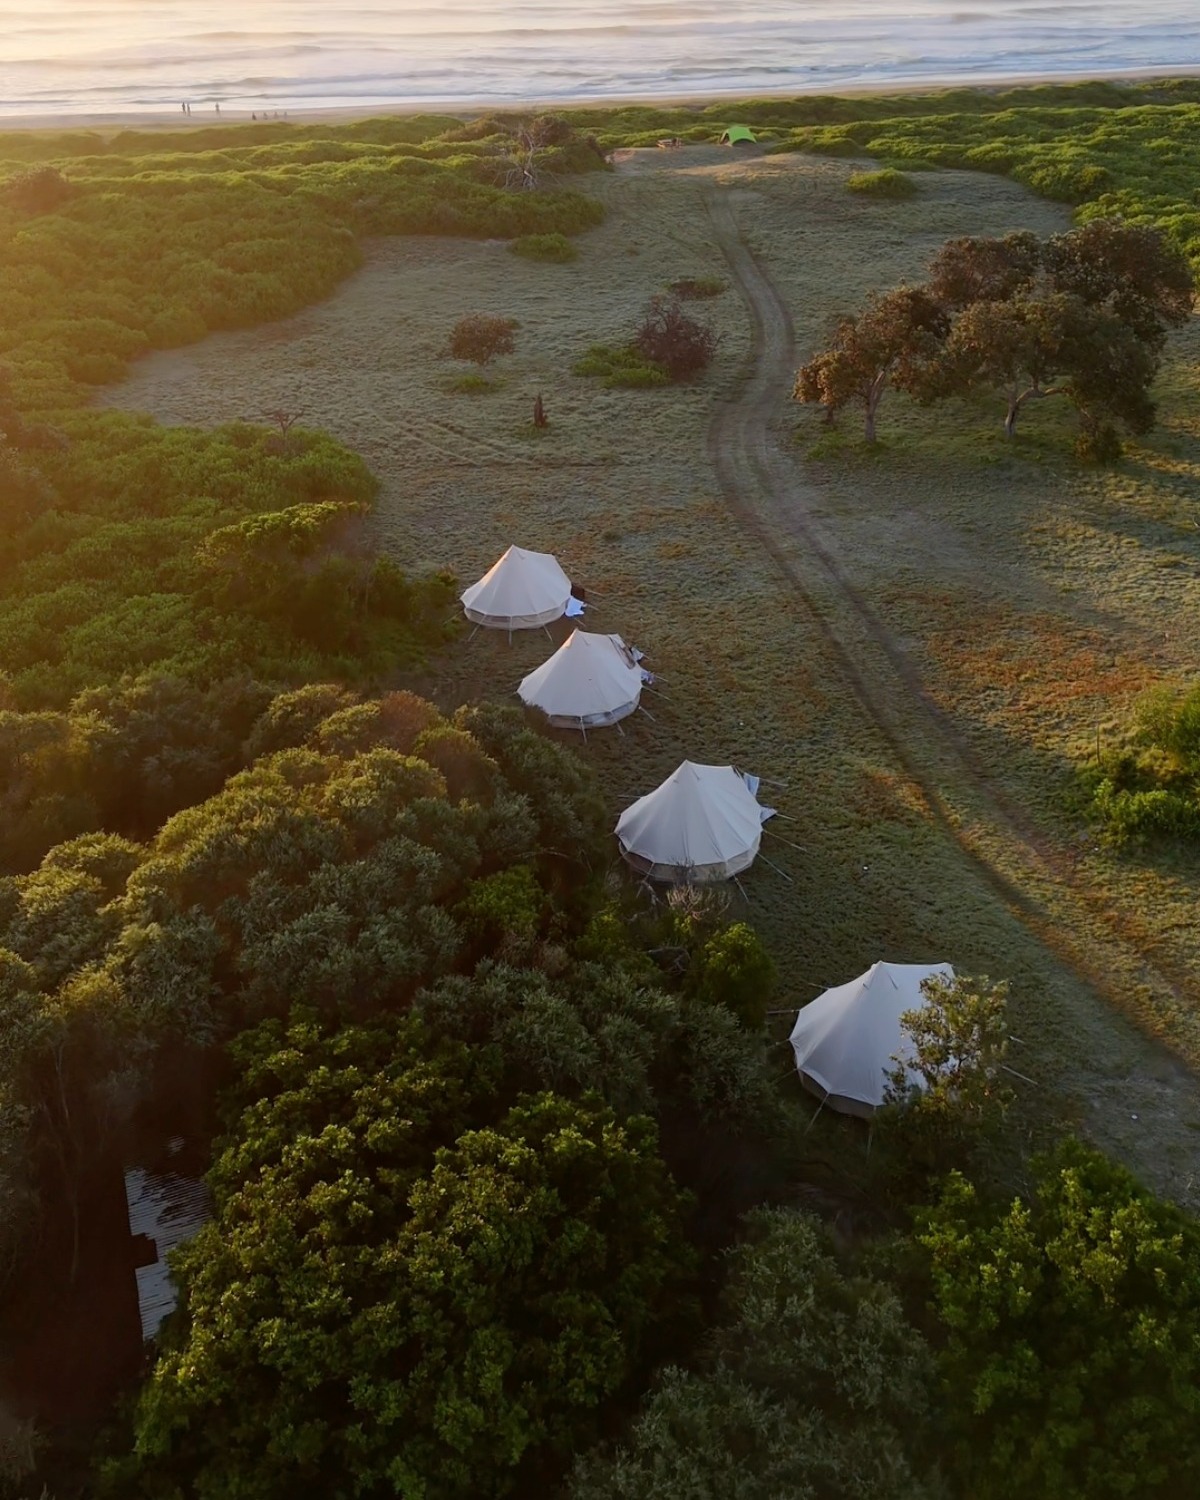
x=772 y=502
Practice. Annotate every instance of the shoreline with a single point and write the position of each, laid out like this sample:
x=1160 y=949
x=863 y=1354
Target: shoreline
x=206 y=115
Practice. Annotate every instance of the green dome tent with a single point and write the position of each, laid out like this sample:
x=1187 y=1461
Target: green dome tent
x=739 y=135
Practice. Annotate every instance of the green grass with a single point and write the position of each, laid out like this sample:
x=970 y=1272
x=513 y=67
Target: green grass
x=887 y=183
x=474 y=385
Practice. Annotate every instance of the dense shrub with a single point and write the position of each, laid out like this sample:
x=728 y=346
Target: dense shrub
x=546 y=247
x=480 y=337
x=38 y=190
x=814 y=1384
x=1072 y=1361
x=435 y=1294
x=887 y=183
x=670 y=338
x=1150 y=789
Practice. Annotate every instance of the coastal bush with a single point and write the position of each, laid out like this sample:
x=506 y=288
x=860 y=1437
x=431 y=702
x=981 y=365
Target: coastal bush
x=330 y=874
x=1071 y=1362
x=1149 y=789
x=813 y=1383
x=886 y=183
x=480 y=337
x=673 y=340
x=444 y=1354
x=555 y=248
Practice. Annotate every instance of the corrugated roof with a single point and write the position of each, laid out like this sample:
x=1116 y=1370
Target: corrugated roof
x=168 y=1209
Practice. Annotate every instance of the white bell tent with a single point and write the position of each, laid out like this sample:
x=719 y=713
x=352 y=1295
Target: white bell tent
x=590 y=681
x=847 y=1040
x=702 y=824
x=521 y=592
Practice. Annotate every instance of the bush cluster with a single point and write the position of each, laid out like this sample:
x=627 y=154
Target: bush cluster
x=1150 y=789
x=554 y=248
x=887 y=183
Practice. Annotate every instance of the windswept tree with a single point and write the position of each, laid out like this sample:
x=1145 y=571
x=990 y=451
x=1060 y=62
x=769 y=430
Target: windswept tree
x=1132 y=270
x=970 y=269
x=1032 y=347
x=1083 y=315
x=893 y=342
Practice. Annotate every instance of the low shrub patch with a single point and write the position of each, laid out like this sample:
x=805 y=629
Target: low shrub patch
x=887 y=183
x=472 y=385
x=554 y=248
x=1150 y=788
x=625 y=368
x=697 y=288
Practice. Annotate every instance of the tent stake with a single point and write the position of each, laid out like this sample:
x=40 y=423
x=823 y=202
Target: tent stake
x=741 y=888
x=813 y=1121
x=648 y=714
x=799 y=847
x=1021 y=1076
x=776 y=868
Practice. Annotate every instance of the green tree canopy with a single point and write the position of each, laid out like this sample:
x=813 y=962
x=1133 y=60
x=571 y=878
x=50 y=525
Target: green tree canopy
x=389 y=1303
x=816 y=1387
x=1071 y=1369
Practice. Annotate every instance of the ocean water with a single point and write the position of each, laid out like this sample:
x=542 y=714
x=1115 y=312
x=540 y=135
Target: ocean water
x=116 y=56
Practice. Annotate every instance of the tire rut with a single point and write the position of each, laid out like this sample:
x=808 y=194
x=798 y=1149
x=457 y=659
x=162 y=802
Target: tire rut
x=766 y=499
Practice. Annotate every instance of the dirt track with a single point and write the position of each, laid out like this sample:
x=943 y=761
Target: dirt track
x=769 y=497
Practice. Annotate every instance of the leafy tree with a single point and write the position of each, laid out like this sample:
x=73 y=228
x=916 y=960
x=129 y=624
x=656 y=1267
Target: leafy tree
x=1033 y=347
x=371 y=1315
x=815 y=1387
x=969 y=269
x=891 y=343
x=480 y=337
x=734 y=969
x=1072 y=1360
x=1083 y=315
x=598 y=1026
x=1133 y=270
x=948 y=1099
x=672 y=339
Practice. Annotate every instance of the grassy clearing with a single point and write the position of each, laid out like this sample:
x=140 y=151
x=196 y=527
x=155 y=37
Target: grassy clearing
x=1035 y=596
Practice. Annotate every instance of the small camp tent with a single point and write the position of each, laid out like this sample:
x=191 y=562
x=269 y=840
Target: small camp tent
x=702 y=824
x=520 y=592
x=591 y=680
x=739 y=135
x=846 y=1040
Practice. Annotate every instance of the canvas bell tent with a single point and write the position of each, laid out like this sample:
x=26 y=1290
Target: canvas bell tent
x=702 y=824
x=847 y=1040
x=739 y=135
x=520 y=592
x=589 y=682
